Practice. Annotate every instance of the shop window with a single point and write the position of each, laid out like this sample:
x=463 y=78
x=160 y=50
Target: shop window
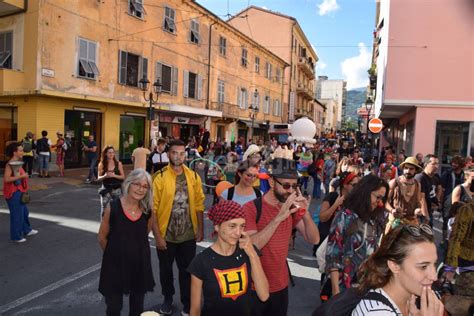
x=194 y=34
x=135 y=8
x=257 y=64
x=87 y=61
x=222 y=46
x=169 y=20
x=452 y=139
x=6 y=49
x=132 y=68
x=243 y=61
x=168 y=77
x=192 y=85
x=220 y=91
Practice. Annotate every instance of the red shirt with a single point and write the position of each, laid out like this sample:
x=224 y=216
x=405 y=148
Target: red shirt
x=274 y=253
x=9 y=187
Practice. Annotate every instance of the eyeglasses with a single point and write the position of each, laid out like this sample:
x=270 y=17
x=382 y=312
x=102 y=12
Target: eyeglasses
x=139 y=186
x=378 y=197
x=417 y=230
x=250 y=175
x=286 y=186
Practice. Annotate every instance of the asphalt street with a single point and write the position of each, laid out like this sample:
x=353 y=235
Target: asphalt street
x=56 y=272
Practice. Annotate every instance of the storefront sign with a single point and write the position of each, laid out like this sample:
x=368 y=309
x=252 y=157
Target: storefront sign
x=167 y=118
x=181 y=120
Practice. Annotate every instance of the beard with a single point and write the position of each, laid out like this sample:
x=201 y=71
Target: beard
x=176 y=163
x=409 y=175
x=281 y=197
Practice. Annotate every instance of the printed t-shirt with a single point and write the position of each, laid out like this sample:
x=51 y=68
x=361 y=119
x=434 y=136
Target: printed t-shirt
x=428 y=187
x=226 y=282
x=180 y=227
x=139 y=154
x=274 y=253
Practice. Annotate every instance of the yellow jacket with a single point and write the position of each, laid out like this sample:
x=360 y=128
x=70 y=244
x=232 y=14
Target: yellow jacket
x=164 y=187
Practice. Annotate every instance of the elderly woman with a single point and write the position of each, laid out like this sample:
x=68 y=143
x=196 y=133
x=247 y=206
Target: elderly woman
x=224 y=273
x=123 y=236
x=14 y=186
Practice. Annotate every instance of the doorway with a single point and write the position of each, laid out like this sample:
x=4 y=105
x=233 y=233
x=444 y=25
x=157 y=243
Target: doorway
x=132 y=129
x=8 y=130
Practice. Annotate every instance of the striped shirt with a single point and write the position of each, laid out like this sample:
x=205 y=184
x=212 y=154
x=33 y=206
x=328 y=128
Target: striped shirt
x=368 y=307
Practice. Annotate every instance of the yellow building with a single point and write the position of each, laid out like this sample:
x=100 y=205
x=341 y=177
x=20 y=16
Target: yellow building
x=76 y=66
x=283 y=35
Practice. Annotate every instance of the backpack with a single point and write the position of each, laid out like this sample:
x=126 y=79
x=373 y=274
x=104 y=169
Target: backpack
x=344 y=303
x=66 y=145
x=312 y=169
x=42 y=145
x=27 y=145
x=258 y=194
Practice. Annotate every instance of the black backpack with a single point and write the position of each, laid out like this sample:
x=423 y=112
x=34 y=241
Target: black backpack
x=344 y=303
x=258 y=194
x=312 y=169
x=42 y=145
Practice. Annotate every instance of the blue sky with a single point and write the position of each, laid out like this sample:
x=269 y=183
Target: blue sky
x=340 y=31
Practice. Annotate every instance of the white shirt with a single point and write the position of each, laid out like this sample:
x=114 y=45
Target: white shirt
x=368 y=307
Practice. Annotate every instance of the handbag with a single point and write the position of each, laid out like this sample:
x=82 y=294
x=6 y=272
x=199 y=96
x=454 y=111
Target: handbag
x=25 y=198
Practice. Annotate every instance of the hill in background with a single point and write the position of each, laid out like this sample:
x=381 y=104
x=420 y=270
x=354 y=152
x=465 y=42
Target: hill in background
x=355 y=99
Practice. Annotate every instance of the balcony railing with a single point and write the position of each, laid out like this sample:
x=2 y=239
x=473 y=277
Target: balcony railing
x=307 y=67
x=228 y=110
x=306 y=90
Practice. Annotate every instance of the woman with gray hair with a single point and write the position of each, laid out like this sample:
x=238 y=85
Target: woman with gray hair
x=123 y=236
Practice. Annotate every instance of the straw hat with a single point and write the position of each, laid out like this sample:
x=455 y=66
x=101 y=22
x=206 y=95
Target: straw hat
x=412 y=161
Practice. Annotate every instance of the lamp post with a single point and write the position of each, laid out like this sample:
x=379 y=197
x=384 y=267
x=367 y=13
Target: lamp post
x=144 y=82
x=253 y=110
x=368 y=106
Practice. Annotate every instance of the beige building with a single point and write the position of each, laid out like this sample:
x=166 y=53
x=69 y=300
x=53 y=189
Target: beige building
x=284 y=36
x=76 y=66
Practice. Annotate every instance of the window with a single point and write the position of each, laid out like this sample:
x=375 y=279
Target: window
x=168 y=23
x=277 y=108
x=135 y=8
x=132 y=68
x=6 y=50
x=168 y=77
x=87 y=63
x=242 y=98
x=294 y=72
x=268 y=71
x=256 y=100
x=192 y=85
x=220 y=91
x=278 y=75
x=243 y=61
x=222 y=45
x=194 y=35
x=266 y=105
x=257 y=64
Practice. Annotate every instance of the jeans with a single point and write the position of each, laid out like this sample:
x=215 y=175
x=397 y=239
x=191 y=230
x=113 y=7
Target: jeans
x=183 y=253
x=276 y=305
x=92 y=167
x=304 y=183
x=114 y=304
x=316 y=188
x=19 y=221
x=43 y=162
x=28 y=164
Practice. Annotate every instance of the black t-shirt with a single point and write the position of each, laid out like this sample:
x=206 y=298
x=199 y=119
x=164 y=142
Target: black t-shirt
x=226 y=282
x=428 y=187
x=325 y=226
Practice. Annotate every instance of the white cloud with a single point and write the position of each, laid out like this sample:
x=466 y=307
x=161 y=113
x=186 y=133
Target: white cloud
x=321 y=65
x=328 y=6
x=354 y=69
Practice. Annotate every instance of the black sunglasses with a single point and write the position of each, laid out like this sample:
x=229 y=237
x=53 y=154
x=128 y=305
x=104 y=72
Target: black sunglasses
x=417 y=230
x=286 y=186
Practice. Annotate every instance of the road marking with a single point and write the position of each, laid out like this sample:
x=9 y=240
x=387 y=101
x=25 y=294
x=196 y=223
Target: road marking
x=47 y=289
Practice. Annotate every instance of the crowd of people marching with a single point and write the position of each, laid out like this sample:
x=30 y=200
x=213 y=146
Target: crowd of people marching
x=372 y=230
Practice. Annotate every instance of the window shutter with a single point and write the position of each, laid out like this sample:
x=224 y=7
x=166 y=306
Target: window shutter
x=174 y=80
x=185 y=83
x=122 y=67
x=82 y=49
x=239 y=97
x=199 y=87
x=144 y=70
x=158 y=71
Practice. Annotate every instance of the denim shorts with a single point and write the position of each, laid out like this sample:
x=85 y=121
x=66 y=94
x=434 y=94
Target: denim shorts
x=43 y=162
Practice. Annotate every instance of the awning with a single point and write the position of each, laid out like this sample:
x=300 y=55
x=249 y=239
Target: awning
x=190 y=110
x=247 y=123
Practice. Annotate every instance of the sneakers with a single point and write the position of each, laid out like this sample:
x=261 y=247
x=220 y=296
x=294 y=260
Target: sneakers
x=184 y=314
x=88 y=181
x=20 y=240
x=166 y=308
x=32 y=232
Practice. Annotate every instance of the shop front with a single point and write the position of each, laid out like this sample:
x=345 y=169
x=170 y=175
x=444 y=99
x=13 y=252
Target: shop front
x=8 y=130
x=132 y=129
x=453 y=138
x=78 y=125
x=179 y=125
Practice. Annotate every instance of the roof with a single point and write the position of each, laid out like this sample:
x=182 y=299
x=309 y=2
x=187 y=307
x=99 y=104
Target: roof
x=283 y=16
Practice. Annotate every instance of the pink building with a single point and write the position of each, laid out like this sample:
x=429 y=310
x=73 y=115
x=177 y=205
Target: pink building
x=424 y=57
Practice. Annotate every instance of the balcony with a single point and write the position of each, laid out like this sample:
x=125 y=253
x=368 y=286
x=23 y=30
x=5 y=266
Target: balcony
x=11 y=6
x=305 y=90
x=12 y=80
x=306 y=66
x=228 y=110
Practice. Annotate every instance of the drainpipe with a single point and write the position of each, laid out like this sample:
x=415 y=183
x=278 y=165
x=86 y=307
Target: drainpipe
x=291 y=69
x=208 y=102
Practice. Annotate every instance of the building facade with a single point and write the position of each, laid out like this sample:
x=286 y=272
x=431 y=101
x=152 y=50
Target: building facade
x=333 y=89
x=423 y=84
x=77 y=68
x=290 y=43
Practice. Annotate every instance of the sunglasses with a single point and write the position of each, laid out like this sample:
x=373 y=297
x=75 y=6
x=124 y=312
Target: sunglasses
x=416 y=231
x=286 y=186
x=250 y=175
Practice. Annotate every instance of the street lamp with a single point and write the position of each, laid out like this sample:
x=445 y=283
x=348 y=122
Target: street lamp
x=144 y=82
x=253 y=110
x=368 y=106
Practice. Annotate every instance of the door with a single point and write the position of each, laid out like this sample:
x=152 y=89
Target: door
x=8 y=130
x=451 y=139
x=132 y=129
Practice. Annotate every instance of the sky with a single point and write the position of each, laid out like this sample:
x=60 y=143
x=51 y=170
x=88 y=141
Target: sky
x=339 y=30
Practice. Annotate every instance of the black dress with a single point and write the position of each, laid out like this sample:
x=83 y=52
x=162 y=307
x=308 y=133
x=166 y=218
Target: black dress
x=126 y=263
